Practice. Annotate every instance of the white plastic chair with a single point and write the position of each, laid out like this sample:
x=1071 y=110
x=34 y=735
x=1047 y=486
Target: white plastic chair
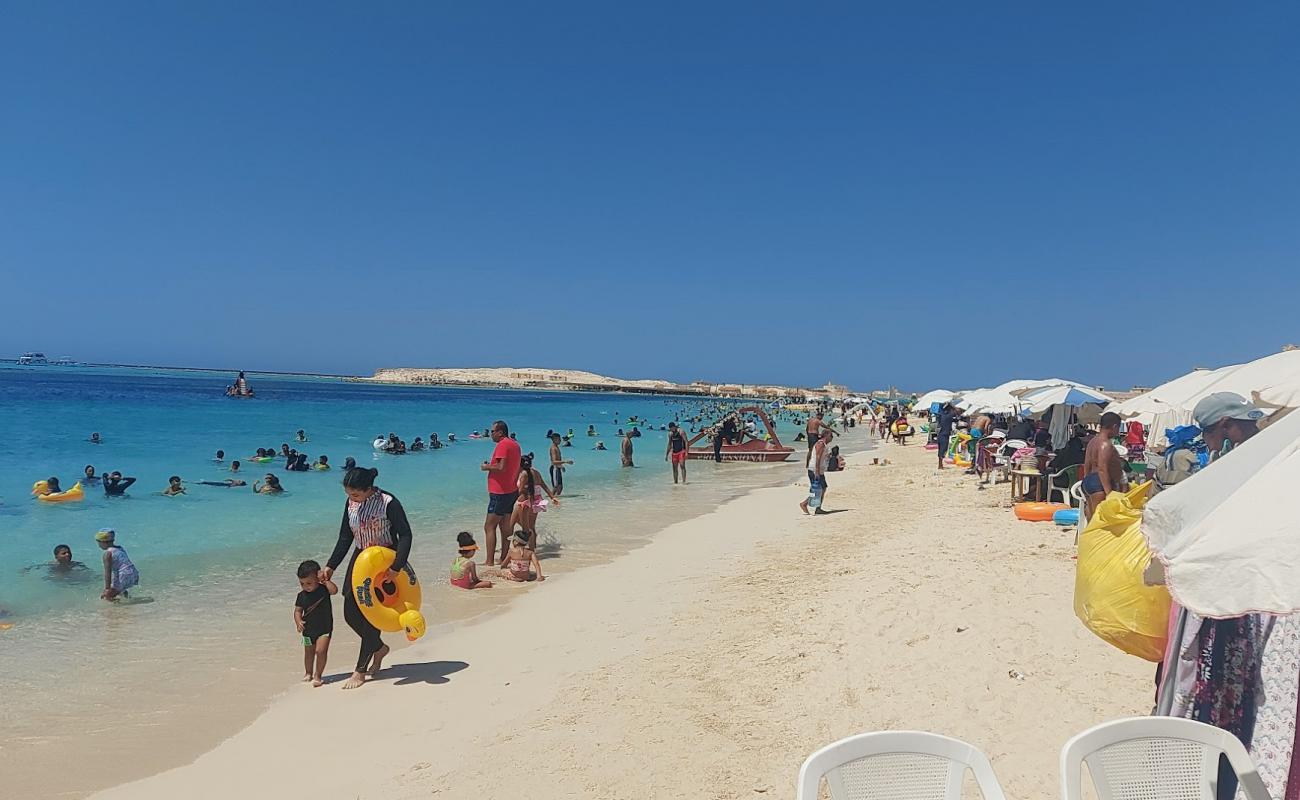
x=1156 y=758
x=1003 y=462
x=896 y=765
x=1052 y=488
x=1076 y=492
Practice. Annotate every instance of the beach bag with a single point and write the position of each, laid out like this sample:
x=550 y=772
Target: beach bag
x=1109 y=595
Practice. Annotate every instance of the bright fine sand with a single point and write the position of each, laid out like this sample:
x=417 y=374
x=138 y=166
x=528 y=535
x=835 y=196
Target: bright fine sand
x=711 y=662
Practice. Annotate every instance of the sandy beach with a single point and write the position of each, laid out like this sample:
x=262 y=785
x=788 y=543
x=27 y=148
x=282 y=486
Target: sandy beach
x=712 y=661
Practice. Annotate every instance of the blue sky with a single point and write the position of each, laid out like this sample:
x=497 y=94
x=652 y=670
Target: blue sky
x=859 y=192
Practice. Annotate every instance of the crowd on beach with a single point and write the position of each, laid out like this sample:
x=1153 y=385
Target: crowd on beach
x=518 y=493
x=1236 y=673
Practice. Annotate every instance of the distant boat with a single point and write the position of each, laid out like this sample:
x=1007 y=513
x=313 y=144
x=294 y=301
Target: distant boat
x=32 y=360
x=766 y=452
x=66 y=361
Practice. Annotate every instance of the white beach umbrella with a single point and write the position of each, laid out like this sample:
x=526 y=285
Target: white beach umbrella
x=1284 y=394
x=936 y=396
x=1039 y=400
x=1229 y=537
x=1005 y=398
x=1170 y=404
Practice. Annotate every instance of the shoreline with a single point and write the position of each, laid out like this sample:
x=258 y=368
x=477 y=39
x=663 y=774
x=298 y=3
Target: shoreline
x=255 y=657
x=721 y=654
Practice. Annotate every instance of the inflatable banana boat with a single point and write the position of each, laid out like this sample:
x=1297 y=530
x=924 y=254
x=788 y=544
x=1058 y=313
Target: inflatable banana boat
x=41 y=488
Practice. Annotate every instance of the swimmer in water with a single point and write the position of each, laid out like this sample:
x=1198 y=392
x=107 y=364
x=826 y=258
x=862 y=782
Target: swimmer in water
x=51 y=487
x=174 y=486
x=591 y=430
x=221 y=456
x=417 y=445
x=62 y=566
x=89 y=477
x=301 y=435
x=322 y=463
x=94 y=438
x=271 y=486
x=600 y=446
x=227 y=483
x=451 y=437
x=115 y=485
x=349 y=463
x=234 y=466
x=434 y=443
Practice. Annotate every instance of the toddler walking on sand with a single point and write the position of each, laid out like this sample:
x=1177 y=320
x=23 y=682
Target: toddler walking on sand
x=314 y=617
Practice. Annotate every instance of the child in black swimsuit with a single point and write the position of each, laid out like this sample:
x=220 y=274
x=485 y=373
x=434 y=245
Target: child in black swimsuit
x=314 y=617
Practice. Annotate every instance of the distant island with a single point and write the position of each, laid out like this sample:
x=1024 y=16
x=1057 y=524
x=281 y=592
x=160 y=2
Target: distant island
x=578 y=380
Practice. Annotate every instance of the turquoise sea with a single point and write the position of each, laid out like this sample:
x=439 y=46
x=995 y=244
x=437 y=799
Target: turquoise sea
x=211 y=617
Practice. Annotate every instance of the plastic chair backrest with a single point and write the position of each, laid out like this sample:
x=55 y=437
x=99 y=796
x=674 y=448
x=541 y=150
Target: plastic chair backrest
x=1156 y=758
x=896 y=765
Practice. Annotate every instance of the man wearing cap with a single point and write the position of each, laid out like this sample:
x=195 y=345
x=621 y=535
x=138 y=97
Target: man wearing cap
x=1103 y=469
x=1212 y=668
x=1226 y=419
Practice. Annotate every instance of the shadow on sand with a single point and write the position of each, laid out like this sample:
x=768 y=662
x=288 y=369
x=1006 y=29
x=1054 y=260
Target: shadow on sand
x=433 y=672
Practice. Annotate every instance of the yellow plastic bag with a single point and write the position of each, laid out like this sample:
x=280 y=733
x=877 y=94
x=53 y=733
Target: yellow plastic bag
x=1109 y=595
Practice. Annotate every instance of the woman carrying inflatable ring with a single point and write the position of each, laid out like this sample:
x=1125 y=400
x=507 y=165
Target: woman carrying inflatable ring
x=376 y=523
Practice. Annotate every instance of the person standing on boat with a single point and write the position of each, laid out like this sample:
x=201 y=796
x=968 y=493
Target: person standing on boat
x=371 y=518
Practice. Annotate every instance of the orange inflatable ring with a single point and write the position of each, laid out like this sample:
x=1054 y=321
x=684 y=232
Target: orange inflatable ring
x=1038 y=512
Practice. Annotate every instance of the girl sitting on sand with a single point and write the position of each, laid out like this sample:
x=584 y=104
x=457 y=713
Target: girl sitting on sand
x=531 y=502
x=463 y=571
x=521 y=563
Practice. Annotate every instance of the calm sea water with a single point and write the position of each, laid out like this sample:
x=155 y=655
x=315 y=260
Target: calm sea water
x=217 y=563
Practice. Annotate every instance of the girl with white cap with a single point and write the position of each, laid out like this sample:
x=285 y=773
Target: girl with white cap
x=120 y=575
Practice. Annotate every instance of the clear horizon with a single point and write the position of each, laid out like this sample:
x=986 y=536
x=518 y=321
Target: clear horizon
x=939 y=197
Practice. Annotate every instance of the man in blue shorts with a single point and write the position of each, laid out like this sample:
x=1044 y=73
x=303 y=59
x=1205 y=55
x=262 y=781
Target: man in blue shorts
x=503 y=490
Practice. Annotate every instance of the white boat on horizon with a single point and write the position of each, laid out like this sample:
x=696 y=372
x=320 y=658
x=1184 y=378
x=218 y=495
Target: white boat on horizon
x=32 y=360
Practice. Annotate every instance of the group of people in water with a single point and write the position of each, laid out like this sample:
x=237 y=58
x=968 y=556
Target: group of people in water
x=519 y=491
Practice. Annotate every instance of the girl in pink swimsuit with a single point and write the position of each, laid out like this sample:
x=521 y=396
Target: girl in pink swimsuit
x=533 y=494
x=463 y=572
x=521 y=563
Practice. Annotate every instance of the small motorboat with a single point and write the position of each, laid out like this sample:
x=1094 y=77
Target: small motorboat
x=753 y=449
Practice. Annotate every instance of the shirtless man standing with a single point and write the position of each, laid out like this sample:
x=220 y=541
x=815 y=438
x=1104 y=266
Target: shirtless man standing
x=627 y=448
x=1103 y=469
x=558 y=463
x=813 y=430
